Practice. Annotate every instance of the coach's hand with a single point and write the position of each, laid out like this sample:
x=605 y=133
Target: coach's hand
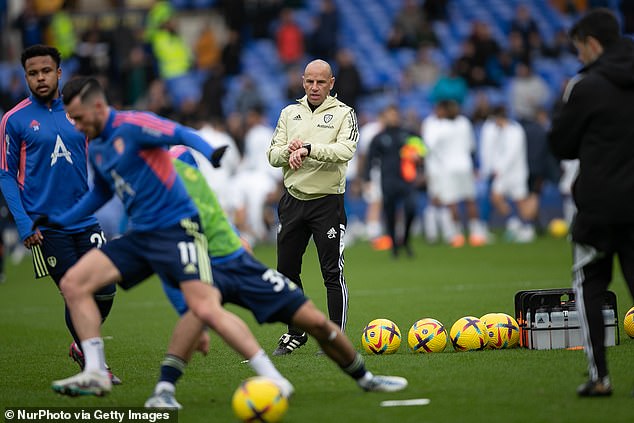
x=216 y=156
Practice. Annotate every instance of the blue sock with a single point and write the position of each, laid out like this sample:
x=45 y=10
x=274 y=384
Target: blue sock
x=172 y=369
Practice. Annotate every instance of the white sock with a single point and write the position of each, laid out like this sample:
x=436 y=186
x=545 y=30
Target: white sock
x=447 y=224
x=94 y=354
x=262 y=365
x=430 y=216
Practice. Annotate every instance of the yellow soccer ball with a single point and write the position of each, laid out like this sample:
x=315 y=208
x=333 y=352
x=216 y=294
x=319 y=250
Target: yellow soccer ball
x=628 y=323
x=558 y=228
x=259 y=399
x=468 y=334
x=513 y=329
x=497 y=330
x=381 y=336
x=427 y=336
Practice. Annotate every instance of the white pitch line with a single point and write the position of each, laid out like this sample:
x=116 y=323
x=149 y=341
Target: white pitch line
x=405 y=403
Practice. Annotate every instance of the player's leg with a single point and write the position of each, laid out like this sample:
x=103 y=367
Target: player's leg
x=205 y=304
x=92 y=272
x=336 y=345
x=592 y=272
x=411 y=206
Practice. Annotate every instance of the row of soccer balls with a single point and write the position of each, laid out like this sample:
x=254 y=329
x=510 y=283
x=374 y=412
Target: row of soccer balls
x=259 y=399
x=492 y=331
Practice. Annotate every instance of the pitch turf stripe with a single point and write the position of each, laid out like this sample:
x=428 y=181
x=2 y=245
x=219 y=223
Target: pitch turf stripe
x=39 y=264
x=405 y=403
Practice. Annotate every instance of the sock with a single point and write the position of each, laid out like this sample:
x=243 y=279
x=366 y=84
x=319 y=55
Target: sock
x=93 y=354
x=262 y=365
x=430 y=217
x=172 y=369
x=357 y=369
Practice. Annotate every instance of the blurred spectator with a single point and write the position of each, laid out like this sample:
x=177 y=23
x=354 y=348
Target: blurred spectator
x=560 y=45
x=484 y=46
x=406 y=26
x=93 y=51
x=30 y=24
x=213 y=91
x=294 y=84
x=206 y=49
x=231 y=53
x=524 y=24
x=248 y=97
x=61 y=32
x=12 y=92
x=349 y=85
x=466 y=67
x=260 y=14
x=323 y=40
x=289 y=39
x=172 y=53
x=528 y=92
x=160 y=12
x=627 y=10
x=451 y=86
x=424 y=70
x=157 y=99
x=426 y=35
x=481 y=109
x=234 y=12
x=435 y=10
x=137 y=72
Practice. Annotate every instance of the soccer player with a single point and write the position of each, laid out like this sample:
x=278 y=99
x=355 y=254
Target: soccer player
x=245 y=281
x=43 y=170
x=126 y=151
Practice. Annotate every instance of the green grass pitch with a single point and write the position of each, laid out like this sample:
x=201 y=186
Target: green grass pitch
x=488 y=386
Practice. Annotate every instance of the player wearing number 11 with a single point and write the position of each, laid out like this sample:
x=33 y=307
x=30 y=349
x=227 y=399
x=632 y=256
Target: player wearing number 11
x=127 y=151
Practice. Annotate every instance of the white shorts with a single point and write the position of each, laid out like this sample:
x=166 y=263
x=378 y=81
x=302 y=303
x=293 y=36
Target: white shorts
x=452 y=188
x=513 y=188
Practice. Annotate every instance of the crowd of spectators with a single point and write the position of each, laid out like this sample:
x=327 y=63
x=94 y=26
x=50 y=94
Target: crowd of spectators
x=148 y=58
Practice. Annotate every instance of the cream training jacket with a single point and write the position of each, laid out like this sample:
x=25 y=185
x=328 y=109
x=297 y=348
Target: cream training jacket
x=332 y=131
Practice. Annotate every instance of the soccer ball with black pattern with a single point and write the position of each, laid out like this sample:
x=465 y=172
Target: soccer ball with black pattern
x=498 y=330
x=259 y=399
x=381 y=336
x=427 y=335
x=628 y=323
x=468 y=334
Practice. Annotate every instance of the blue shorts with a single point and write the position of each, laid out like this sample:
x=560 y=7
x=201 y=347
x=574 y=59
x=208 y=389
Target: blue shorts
x=244 y=281
x=174 y=254
x=61 y=250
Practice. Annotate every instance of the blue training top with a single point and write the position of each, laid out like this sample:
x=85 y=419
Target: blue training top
x=43 y=165
x=130 y=160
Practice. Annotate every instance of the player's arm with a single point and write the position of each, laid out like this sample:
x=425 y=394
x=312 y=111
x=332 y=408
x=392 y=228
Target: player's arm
x=570 y=119
x=8 y=180
x=278 y=153
x=92 y=201
x=343 y=149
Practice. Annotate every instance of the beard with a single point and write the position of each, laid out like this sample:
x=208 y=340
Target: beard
x=47 y=98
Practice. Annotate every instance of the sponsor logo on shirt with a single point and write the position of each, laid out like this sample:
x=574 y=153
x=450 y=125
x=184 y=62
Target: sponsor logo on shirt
x=118 y=145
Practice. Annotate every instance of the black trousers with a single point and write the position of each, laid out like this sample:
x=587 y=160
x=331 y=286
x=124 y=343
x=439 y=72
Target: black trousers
x=594 y=249
x=325 y=220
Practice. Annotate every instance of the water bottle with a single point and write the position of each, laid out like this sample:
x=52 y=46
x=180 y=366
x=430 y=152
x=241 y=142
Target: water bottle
x=610 y=324
x=529 y=332
x=557 y=330
x=574 y=330
x=541 y=338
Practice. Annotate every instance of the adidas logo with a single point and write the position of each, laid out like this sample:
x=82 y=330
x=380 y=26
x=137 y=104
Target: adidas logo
x=331 y=233
x=298 y=117
x=190 y=269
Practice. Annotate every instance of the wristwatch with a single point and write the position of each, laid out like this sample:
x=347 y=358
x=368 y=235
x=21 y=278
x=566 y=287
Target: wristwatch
x=307 y=147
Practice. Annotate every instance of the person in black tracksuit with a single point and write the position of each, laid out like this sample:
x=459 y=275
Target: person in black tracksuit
x=594 y=123
x=397 y=185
